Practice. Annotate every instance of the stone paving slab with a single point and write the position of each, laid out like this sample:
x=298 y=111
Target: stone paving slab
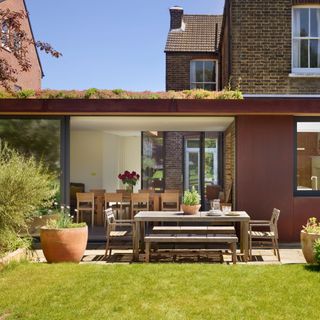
x=260 y=257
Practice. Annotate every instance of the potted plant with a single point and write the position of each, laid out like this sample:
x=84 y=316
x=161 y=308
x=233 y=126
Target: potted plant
x=191 y=202
x=129 y=179
x=310 y=233
x=62 y=240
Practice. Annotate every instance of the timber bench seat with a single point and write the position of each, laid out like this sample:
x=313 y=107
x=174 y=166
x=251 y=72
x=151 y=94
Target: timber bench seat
x=194 y=229
x=230 y=239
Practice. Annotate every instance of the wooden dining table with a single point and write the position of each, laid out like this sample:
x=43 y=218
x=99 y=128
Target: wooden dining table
x=144 y=217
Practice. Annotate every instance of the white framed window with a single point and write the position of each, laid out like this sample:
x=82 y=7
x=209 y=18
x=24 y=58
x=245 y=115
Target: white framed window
x=306 y=40
x=204 y=74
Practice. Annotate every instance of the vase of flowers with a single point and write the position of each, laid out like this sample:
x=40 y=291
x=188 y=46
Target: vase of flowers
x=129 y=179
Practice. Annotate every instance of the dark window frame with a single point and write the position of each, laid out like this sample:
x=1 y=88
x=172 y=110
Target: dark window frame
x=296 y=192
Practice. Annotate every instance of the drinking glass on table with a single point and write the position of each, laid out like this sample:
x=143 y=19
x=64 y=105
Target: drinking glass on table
x=226 y=208
x=215 y=204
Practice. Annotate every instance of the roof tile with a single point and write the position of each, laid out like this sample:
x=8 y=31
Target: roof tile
x=199 y=34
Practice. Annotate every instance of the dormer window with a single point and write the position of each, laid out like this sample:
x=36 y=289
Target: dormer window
x=204 y=75
x=306 y=40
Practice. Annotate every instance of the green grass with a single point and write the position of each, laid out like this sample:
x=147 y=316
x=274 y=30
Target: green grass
x=159 y=291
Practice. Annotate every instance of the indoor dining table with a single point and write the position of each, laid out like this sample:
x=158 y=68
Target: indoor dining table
x=144 y=217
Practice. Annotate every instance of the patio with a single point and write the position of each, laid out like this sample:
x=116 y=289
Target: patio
x=94 y=254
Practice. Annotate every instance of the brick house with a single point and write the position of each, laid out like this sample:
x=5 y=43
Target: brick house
x=192 y=51
x=272 y=46
x=266 y=148
x=32 y=78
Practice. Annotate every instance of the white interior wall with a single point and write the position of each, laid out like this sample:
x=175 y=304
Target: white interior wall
x=98 y=157
x=86 y=158
x=131 y=147
x=112 y=161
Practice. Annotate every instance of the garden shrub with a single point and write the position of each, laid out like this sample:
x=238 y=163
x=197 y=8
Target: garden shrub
x=316 y=248
x=25 y=186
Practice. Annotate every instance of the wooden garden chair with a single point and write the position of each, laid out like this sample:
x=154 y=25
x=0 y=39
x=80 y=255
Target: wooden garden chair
x=120 y=233
x=271 y=235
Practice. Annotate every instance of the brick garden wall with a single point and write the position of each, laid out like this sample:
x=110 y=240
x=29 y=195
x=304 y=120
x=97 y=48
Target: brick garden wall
x=261 y=47
x=178 y=68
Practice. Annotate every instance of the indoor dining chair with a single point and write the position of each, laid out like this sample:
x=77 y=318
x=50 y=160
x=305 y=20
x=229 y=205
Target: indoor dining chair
x=116 y=203
x=85 y=203
x=170 y=201
x=139 y=202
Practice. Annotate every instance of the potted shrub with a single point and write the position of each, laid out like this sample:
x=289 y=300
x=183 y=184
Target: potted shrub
x=191 y=202
x=308 y=236
x=62 y=240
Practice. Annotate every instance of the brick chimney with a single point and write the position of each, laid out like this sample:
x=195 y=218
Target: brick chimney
x=176 y=14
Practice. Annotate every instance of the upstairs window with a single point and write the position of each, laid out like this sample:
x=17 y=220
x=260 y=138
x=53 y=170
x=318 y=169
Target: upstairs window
x=306 y=40
x=5 y=35
x=203 y=75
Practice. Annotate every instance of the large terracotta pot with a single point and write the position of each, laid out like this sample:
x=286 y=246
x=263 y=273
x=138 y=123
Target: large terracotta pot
x=307 y=242
x=190 y=210
x=64 y=245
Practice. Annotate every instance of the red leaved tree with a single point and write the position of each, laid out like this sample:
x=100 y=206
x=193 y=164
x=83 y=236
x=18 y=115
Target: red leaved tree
x=15 y=39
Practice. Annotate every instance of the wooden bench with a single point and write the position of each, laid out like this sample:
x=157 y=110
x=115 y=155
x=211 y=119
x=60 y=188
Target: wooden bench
x=194 y=229
x=230 y=239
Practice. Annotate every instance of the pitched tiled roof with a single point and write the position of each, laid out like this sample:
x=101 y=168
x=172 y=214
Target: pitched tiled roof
x=199 y=35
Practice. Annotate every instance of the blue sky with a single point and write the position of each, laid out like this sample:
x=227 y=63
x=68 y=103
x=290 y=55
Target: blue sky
x=108 y=44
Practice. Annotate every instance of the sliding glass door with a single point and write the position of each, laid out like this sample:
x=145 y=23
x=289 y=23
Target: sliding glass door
x=202 y=151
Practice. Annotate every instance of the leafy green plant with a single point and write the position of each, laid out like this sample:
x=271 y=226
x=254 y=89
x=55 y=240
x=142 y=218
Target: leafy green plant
x=316 y=248
x=91 y=93
x=191 y=198
x=65 y=219
x=24 y=94
x=312 y=226
x=25 y=186
x=118 y=91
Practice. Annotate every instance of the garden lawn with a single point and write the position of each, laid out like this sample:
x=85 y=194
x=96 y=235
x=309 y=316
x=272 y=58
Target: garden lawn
x=159 y=291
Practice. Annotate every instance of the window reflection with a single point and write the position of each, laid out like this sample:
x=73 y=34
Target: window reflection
x=152 y=160
x=308 y=156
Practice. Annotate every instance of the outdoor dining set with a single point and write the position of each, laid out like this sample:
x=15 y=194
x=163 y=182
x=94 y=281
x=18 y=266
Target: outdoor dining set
x=150 y=223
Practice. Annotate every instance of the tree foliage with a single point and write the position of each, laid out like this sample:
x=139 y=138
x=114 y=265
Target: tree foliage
x=17 y=40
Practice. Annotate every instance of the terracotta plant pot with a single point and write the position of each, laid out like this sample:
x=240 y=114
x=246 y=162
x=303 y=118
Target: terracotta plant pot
x=190 y=210
x=307 y=242
x=64 y=245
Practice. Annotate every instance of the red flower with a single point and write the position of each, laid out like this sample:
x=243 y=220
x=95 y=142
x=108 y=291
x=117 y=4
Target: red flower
x=133 y=177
